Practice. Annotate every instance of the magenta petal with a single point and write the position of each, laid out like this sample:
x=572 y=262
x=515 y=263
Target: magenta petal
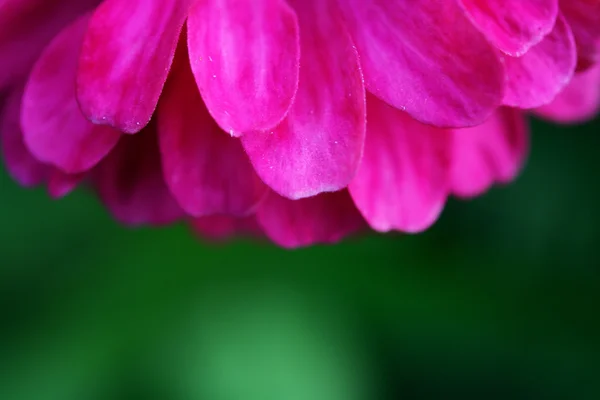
x=27 y=26
x=207 y=171
x=245 y=57
x=489 y=153
x=579 y=102
x=584 y=18
x=125 y=60
x=326 y=218
x=513 y=26
x=55 y=130
x=222 y=227
x=426 y=58
x=20 y=163
x=403 y=181
x=61 y=184
x=130 y=182
x=317 y=148
x=538 y=76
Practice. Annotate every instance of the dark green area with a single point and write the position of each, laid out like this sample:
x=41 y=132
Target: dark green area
x=498 y=300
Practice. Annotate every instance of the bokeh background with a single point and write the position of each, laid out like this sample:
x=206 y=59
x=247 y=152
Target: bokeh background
x=499 y=300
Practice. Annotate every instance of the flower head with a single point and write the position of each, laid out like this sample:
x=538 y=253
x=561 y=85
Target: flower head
x=300 y=120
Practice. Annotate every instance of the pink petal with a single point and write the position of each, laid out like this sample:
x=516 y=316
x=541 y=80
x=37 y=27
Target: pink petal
x=584 y=18
x=27 y=26
x=207 y=171
x=130 y=182
x=538 y=76
x=424 y=57
x=403 y=180
x=61 y=184
x=317 y=148
x=55 y=130
x=492 y=152
x=513 y=26
x=222 y=227
x=245 y=57
x=20 y=163
x=125 y=60
x=579 y=102
x=326 y=218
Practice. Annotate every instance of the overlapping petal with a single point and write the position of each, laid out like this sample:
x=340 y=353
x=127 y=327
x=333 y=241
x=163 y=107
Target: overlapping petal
x=130 y=182
x=125 y=59
x=61 y=184
x=513 y=26
x=538 y=76
x=493 y=152
x=584 y=18
x=579 y=102
x=222 y=227
x=326 y=218
x=317 y=148
x=20 y=163
x=55 y=130
x=425 y=57
x=246 y=58
x=207 y=171
x=404 y=178
x=27 y=26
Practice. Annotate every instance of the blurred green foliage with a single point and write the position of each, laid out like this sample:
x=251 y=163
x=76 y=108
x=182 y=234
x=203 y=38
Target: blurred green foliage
x=498 y=300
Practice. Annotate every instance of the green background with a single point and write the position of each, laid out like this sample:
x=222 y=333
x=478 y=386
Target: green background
x=498 y=300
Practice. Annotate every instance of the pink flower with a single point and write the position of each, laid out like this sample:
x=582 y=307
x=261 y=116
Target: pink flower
x=300 y=120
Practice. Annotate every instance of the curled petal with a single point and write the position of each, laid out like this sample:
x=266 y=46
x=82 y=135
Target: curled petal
x=55 y=130
x=317 y=148
x=513 y=26
x=492 y=152
x=403 y=180
x=426 y=58
x=538 y=76
x=125 y=59
x=207 y=171
x=326 y=218
x=245 y=56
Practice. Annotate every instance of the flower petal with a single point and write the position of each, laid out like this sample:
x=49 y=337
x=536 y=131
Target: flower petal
x=326 y=218
x=55 y=130
x=125 y=60
x=245 y=57
x=20 y=163
x=317 y=148
x=222 y=227
x=207 y=171
x=27 y=26
x=579 y=102
x=492 y=152
x=513 y=26
x=584 y=18
x=424 y=57
x=61 y=184
x=538 y=76
x=403 y=180
x=130 y=182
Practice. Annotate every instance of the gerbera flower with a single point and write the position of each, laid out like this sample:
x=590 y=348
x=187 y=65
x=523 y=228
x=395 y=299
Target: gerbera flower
x=300 y=120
